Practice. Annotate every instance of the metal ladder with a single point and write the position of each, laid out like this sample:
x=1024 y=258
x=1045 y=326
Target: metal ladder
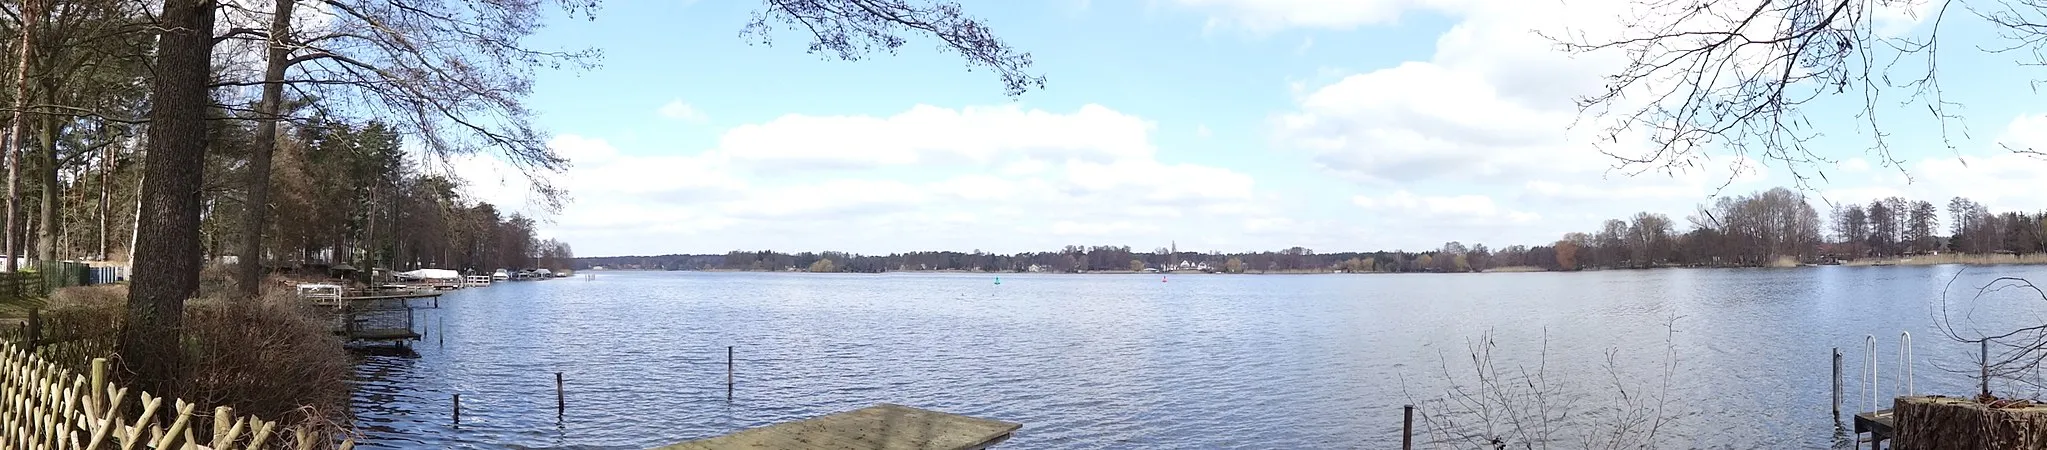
x=1903 y=383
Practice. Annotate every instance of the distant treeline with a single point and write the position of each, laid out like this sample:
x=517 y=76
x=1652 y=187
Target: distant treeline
x=1774 y=227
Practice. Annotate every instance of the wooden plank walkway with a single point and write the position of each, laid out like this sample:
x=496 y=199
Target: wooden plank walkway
x=368 y=298
x=879 y=427
x=388 y=334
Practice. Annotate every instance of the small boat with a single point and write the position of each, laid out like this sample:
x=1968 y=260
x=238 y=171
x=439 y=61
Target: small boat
x=500 y=275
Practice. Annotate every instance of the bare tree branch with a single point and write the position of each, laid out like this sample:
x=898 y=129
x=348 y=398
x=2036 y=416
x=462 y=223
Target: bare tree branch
x=851 y=29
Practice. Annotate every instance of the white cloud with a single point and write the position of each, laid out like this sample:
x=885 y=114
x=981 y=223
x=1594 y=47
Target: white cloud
x=1491 y=112
x=1467 y=208
x=827 y=199
x=1898 y=17
x=1203 y=132
x=1329 y=14
x=1994 y=176
x=1421 y=120
x=926 y=178
x=1071 y=228
x=682 y=111
x=933 y=135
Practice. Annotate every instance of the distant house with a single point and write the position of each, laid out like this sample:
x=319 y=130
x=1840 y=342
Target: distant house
x=1189 y=266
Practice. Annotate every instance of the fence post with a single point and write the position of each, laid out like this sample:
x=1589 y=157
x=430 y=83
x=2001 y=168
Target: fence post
x=99 y=383
x=1407 y=427
x=223 y=418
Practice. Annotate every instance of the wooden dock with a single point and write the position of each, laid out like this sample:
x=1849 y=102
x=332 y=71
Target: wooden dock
x=404 y=296
x=879 y=427
x=378 y=318
x=1878 y=424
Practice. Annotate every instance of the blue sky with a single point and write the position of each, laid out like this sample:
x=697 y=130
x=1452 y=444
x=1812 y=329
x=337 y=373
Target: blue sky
x=1220 y=124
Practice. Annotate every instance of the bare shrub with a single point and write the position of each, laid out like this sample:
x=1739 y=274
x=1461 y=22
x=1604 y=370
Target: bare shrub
x=2012 y=352
x=1491 y=405
x=79 y=324
x=274 y=357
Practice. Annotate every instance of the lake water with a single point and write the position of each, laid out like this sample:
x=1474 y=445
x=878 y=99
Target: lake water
x=1115 y=361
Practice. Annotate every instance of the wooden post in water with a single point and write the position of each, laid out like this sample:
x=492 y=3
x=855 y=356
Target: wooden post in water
x=1837 y=387
x=1407 y=427
x=561 y=402
x=1986 y=367
x=458 y=409
x=728 y=373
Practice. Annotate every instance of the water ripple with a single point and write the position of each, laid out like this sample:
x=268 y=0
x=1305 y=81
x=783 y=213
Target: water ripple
x=1123 y=362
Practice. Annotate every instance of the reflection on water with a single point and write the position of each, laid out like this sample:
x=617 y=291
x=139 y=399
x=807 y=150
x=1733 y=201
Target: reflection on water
x=1206 y=361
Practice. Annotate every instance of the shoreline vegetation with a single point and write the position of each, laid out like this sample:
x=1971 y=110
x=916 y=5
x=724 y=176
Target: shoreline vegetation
x=1774 y=228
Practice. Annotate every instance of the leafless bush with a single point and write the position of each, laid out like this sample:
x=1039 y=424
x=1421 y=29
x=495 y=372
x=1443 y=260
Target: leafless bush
x=272 y=357
x=2008 y=352
x=1496 y=406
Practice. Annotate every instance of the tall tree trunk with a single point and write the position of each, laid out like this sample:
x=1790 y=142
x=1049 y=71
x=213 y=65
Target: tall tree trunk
x=106 y=200
x=135 y=226
x=249 y=269
x=168 y=260
x=31 y=14
x=47 y=217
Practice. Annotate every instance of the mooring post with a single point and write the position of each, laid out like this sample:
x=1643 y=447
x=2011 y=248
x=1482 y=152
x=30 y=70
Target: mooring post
x=561 y=402
x=458 y=409
x=35 y=328
x=1986 y=368
x=443 y=332
x=1407 y=427
x=728 y=373
x=1837 y=386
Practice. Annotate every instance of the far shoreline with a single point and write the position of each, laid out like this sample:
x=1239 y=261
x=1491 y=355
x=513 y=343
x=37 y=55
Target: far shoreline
x=1917 y=260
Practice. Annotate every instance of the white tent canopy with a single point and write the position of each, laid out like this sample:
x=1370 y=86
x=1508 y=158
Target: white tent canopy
x=432 y=274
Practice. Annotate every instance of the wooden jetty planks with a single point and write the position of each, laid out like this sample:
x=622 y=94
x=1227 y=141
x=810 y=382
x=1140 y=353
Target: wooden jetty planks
x=387 y=334
x=366 y=298
x=879 y=427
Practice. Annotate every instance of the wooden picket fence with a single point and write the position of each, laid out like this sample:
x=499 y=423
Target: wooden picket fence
x=45 y=407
